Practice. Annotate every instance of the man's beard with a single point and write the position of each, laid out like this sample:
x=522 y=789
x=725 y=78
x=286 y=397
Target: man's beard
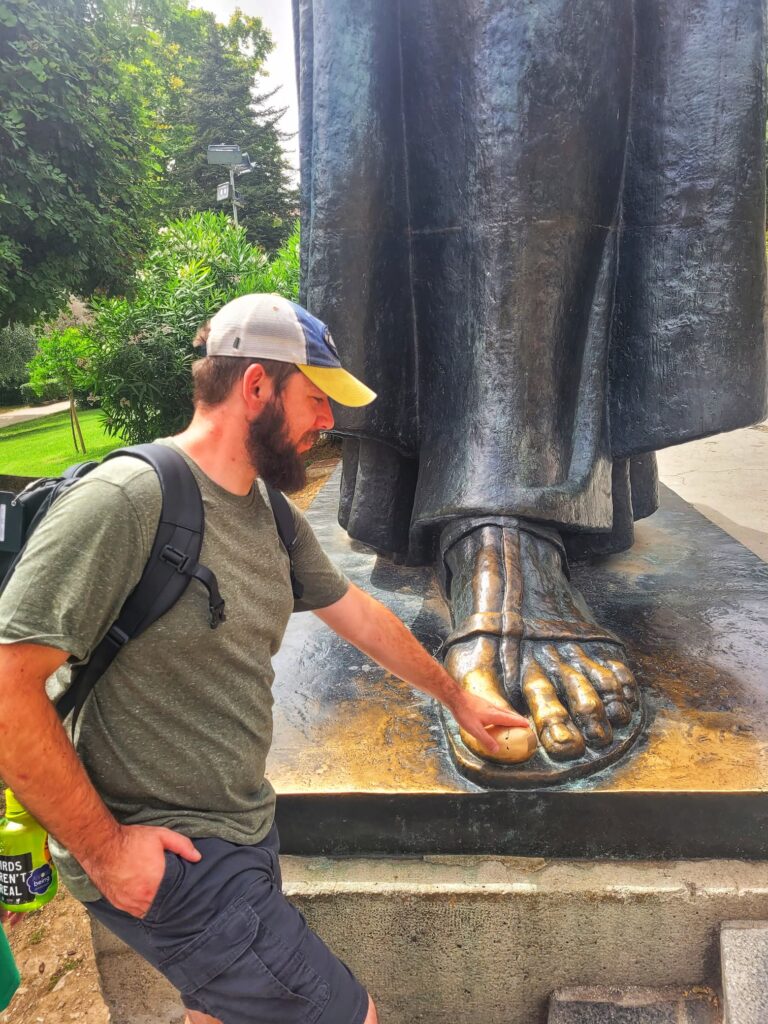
x=272 y=455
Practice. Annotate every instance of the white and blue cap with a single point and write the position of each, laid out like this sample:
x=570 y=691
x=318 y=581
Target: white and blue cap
x=271 y=327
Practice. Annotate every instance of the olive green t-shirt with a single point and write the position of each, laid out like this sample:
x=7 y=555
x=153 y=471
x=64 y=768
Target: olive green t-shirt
x=176 y=732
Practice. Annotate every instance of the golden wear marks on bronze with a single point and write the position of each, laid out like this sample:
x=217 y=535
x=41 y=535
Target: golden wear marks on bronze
x=369 y=744
x=696 y=751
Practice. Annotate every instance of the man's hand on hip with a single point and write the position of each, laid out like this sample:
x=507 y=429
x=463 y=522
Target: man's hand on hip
x=129 y=871
x=37 y=760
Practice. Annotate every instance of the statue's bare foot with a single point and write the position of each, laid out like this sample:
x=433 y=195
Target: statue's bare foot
x=523 y=637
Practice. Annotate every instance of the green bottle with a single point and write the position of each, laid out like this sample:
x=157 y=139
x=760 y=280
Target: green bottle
x=9 y=972
x=28 y=878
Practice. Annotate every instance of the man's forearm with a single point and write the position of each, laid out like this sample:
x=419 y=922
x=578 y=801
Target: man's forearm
x=376 y=631
x=39 y=763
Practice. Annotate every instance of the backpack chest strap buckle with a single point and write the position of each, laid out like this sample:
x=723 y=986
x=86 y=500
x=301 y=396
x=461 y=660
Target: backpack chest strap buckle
x=116 y=636
x=189 y=567
x=174 y=557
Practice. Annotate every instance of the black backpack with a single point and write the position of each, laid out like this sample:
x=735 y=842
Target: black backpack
x=171 y=566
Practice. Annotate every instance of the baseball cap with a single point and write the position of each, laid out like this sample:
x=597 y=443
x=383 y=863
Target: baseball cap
x=270 y=327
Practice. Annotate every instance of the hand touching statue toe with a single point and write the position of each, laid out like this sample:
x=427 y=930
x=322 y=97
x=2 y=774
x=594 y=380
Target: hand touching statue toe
x=502 y=735
x=524 y=639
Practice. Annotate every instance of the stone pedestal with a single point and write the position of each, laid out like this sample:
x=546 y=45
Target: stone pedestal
x=361 y=764
x=744 y=953
x=465 y=939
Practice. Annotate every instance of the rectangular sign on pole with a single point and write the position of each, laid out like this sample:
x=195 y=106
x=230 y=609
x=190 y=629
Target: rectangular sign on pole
x=222 y=192
x=226 y=155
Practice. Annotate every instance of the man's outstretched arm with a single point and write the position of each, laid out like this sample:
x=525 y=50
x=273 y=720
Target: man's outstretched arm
x=377 y=632
x=39 y=763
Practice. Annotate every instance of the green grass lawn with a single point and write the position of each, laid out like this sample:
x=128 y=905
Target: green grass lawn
x=44 y=447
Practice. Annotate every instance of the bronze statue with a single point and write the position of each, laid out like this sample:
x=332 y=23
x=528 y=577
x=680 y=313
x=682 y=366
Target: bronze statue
x=537 y=230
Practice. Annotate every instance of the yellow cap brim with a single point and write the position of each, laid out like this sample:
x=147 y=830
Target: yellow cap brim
x=338 y=384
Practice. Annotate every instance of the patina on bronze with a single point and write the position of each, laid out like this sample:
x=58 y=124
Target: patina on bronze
x=537 y=230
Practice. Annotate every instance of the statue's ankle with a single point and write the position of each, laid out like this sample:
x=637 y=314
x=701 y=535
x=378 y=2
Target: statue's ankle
x=480 y=559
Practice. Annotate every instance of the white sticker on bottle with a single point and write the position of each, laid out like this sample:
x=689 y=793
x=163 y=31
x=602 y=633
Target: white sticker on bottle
x=2 y=522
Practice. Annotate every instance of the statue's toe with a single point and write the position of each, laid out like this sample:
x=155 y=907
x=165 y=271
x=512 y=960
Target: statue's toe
x=477 y=669
x=613 y=658
x=557 y=732
x=584 y=702
x=515 y=745
x=609 y=679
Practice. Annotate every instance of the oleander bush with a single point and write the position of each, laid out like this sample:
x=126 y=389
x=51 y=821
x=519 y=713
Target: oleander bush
x=140 y=348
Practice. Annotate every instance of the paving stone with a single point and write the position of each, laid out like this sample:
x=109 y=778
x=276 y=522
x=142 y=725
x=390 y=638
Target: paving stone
x=633 y=1006
x=744 y=963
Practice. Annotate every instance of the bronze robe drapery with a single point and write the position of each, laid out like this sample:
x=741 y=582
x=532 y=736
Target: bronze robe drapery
x=536 y=229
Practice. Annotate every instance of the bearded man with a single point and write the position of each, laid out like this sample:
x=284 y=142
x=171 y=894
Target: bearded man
x=161 y=817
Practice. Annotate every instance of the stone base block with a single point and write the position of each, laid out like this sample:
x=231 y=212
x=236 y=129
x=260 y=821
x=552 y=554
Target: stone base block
x=134 y=992
x=744 y=956
x=634 y=1006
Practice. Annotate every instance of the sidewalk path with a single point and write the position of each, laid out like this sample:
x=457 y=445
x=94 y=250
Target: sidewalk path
x=7 y=419
x=726 y=478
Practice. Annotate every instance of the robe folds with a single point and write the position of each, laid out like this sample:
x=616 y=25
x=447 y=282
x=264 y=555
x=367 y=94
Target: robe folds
x=537 y=229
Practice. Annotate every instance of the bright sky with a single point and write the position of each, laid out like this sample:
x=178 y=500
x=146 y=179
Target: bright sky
x=277 y=16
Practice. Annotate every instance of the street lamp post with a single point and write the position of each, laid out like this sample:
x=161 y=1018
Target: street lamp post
x=238 y=163
x=232 y=193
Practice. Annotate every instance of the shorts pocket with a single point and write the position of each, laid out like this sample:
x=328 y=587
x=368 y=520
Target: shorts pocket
x=241 y=971
x=168 y=883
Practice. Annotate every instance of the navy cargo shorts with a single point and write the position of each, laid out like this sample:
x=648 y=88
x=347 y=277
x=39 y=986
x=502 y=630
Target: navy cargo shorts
x=223 y=933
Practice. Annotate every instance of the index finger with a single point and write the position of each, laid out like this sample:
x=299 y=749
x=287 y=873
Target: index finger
x=499 y=716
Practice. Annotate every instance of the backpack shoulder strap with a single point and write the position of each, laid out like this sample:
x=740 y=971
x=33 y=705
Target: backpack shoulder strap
x=171 y=566
x=286 y=530
x=173 y=560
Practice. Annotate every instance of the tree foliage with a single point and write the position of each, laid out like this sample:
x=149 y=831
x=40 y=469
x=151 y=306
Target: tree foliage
x=141 y=348
x=18 y=344
x=77 y=170
x=61 y=365
x=108 y=106
x=221 y=106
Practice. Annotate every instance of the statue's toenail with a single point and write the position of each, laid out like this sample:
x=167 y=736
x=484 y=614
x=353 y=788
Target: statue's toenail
x=598 y=735
x=560 y=733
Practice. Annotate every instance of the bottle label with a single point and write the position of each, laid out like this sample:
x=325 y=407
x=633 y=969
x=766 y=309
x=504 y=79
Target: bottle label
x=40 y=880
x=20 y=883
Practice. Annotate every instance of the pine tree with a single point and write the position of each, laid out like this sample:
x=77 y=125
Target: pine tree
x=220 y=105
